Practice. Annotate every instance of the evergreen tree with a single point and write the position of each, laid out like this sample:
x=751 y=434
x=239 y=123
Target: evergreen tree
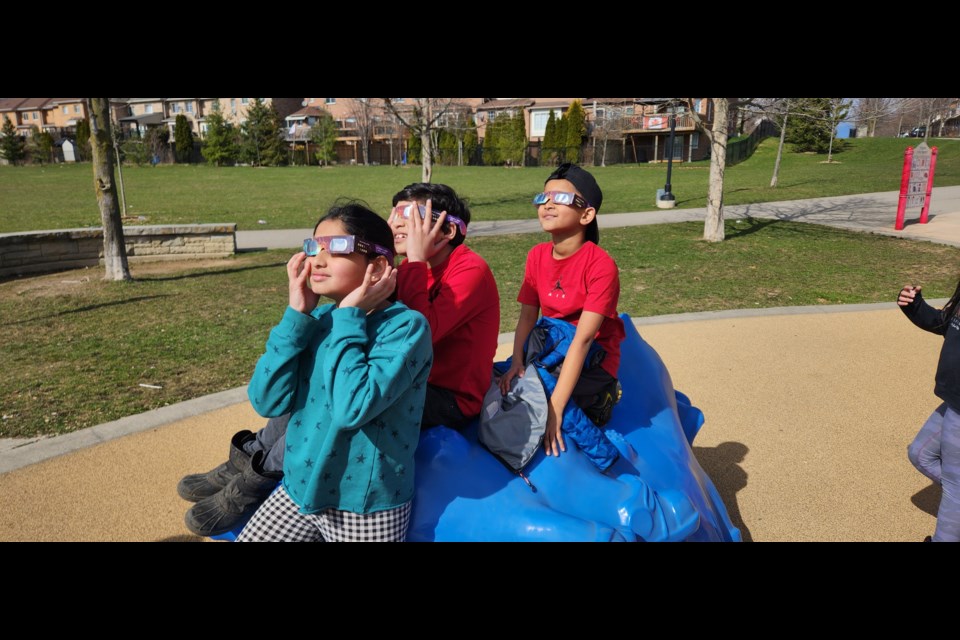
x=514 y=140
x=183 y=138
x=576 y=130
x=324 y=135
x=11 y=144
x=560 y=138
x=810 y=124
x=219 y=142
x=39 y=146
x=83 y=139
x=548 y=144
x=493 y=139
x=470 y=142
x=255 y=131
x=275 y=144
x=449 y=147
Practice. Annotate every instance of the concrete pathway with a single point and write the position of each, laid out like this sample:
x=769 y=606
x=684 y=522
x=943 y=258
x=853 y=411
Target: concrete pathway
x=869 y=212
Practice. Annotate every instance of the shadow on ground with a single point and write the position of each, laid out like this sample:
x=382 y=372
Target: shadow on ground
x=722 y=465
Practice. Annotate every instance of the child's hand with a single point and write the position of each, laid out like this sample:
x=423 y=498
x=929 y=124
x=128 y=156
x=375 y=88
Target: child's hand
x=516 y=370
x=553 y=438
x=373 y=291
x=423 y=239
x=302 y=297
x=907 y=295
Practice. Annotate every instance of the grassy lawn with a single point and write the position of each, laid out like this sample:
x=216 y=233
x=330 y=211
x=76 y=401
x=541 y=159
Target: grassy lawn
x=76 y=349
x=59 y=197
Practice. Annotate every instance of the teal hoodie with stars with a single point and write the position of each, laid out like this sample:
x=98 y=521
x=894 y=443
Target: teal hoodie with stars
x=355 y=386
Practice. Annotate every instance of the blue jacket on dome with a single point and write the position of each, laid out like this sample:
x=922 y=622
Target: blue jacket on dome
x=556 y=336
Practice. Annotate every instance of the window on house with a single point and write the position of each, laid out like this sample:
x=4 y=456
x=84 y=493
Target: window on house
x=538 y=122
x=244 y=100
x=148 y=108
x=397 y=100
x=76 y=108
x=629 y=111
x=34 y=115
x=65 y=110
x=233 y=105
x=698 y=105
x=677 y=147
x=695 y=140
x=189 y=107
x=330 y=101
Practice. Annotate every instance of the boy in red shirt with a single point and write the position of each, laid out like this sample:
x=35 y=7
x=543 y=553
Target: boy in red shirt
x=572 y=279
x=454 y=288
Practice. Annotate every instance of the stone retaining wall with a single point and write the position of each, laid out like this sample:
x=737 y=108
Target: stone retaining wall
x=40 y=251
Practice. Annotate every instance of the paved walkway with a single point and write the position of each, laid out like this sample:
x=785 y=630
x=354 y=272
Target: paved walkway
x=805 y=437
x=869 y=212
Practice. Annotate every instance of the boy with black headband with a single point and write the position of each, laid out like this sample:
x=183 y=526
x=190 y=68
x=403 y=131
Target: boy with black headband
x=572 y=279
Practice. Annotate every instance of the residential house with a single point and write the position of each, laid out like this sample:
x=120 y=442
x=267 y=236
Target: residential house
x=30 y=114
x=8 y=110
x=62 y=114
x=367 y=120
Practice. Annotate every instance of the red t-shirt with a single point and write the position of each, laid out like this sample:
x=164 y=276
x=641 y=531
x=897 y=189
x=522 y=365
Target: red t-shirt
x=586 y=281
x=460 y=301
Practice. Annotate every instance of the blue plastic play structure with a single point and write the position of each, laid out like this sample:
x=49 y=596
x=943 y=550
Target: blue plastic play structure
x=656 y=491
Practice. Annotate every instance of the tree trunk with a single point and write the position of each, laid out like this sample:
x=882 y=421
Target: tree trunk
x=425 y=155
x=114 y=250
x=776 y=164
x=833 y=133
x=713 y=230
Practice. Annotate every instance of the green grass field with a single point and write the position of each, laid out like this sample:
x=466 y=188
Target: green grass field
x=62 y=197
x=76 y=348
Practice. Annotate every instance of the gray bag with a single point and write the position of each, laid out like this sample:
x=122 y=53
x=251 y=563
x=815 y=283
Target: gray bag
x=512 y=426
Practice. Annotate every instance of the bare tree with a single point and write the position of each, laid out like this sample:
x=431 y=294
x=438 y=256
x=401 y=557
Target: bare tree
x=421 y=120
x=931 y=109
x=608 y=124
x=363 y=113
x=114 y=250
x=780 y=111
x=839 y=109
x=717 y=134
x=869 y=112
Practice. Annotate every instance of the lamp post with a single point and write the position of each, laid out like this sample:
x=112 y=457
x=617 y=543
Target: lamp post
x=665 y=198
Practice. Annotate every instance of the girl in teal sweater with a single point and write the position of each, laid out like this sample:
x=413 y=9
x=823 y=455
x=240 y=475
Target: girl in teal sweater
x=353 y=375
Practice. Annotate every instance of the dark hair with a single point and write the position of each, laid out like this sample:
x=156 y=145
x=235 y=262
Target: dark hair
x=586 y=184
x=444 y=199
x=951 y=307
x=358 y=220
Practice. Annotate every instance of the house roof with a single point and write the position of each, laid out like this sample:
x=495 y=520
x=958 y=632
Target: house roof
x=613 y=100
x=548 y=103
x=57 y=101
x=308 y=111
x=30 y=104
x=505 y=104
x=146 y=119
x=10 y=104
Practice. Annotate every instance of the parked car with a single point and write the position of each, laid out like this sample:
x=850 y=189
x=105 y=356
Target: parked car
x=918 y=132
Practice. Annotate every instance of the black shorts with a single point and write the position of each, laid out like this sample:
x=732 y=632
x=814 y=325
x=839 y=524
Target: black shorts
x=596 y=393
x=441 y=407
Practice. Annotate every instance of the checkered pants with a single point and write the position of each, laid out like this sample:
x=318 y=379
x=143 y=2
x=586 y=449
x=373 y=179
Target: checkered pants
x=279 y=520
